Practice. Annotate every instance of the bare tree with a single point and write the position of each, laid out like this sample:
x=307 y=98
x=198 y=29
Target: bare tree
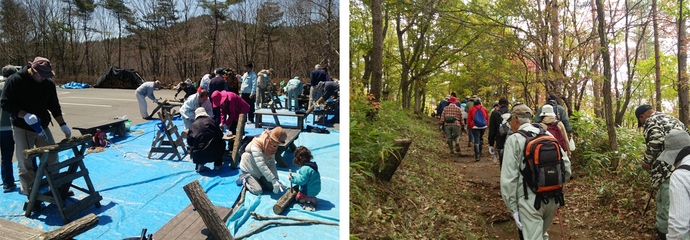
x=610 y=125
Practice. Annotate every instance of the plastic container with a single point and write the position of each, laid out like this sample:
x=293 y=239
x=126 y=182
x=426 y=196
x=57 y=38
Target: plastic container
x=128 y=124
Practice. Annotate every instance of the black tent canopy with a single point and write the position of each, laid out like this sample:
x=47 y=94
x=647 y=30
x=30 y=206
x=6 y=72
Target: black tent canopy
x=116 y=77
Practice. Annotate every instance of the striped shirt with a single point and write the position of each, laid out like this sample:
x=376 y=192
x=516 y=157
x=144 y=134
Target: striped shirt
x=451 y=111
x=656 y=127
x=679 y=211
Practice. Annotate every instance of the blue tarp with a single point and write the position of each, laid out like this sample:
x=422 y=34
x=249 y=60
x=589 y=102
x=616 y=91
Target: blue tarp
x=147 y=193
x=74 y=85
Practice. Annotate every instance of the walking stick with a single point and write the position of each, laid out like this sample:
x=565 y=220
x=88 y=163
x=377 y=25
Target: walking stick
x=561 y=223
x=648 y=200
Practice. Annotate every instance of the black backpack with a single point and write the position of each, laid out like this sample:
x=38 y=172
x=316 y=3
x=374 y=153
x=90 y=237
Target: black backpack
x=544 y=171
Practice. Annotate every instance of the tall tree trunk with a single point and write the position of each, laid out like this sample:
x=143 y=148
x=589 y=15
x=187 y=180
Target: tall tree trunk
x=555 y=46
x=683 y=113
x=657 y=64
x=377 y=52
x=119 y=41
x=613 y=140
x=596 y=80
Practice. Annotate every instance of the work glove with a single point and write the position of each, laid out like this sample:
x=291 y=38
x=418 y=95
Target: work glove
x=516 y=216
x=278 y=187
x=65 y=129
x=225 y=128
x=30 y=119
x=155 y=100
x=491 y=151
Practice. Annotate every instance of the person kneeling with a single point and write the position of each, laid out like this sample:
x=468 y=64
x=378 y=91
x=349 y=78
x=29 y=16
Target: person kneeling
x=258 y=163
x=308 y=178
x=205 y=141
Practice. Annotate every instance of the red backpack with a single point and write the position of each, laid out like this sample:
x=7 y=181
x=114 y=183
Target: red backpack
x=556 y=132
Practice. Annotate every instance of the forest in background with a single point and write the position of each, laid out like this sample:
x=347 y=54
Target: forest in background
x=170 y=40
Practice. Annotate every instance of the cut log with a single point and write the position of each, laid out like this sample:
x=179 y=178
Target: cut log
x=286 y=200
x=61 y=146
x=206 y=210
x=311 y=109
x=70 y=230
x=238 y=141
x=393 y=160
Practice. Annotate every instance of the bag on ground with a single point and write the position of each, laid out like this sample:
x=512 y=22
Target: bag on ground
x=544 y=172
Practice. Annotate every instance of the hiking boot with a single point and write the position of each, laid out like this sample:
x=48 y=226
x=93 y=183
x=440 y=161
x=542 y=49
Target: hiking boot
x=661 y=235
x=476 y=153
x=469 y=144
x=216 y=168
x=457 y=147
x=200 y=168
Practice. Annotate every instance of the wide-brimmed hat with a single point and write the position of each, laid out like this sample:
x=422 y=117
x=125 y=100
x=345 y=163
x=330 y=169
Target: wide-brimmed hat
x=675 y=141
x=452 y=100
x=217 y=98
x=200 y=112
x=42 y=66
x=278 y=134
x=547 y=110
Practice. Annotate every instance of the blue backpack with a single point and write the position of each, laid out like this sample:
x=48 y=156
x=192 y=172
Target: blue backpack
x=479 y=120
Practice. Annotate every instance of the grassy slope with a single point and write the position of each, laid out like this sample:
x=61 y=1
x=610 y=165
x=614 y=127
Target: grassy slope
x=430 y=197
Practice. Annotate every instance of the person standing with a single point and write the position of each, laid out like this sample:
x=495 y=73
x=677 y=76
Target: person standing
x=676 y=151
x=197 y=100
x=656 y=127
x=441 y=105
x=561 y=114
x=294 y=86
x=146 y=90
x=451 y=120
x=262 y=81
x=317 y=76
x=217 y=83
x=6 y=139
x=533 y=219
x=30 y=97
x=476 y=123
x=496 y=121
x=248 y=89
x=231 y=106
x=555 y=127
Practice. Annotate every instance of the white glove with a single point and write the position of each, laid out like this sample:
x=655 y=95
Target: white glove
x=491 y=150
x=30 y=119
x=65 y=129
x=516 y=216
x=277 y=186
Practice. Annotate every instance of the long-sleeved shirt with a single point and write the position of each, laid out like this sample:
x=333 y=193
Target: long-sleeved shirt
x=248 y=82
x=217 y=84
x=231 y=109
x=192 y=103
x=256 y=163
x=22 y=92
x=679 y=195
x=147 y=89
x=296 y=83
x=309 y=178
x=656 y=127
x=5 y=122
x=452 y=111
x=494 y=122
x=560 y=111
x=317 y=76
x=513 y=162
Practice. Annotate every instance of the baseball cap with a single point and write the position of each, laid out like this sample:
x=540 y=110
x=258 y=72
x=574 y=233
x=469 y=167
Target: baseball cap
x=521 y=111
x=503 y=101
x=220 y=70
x=42 y=66
x=639 y=111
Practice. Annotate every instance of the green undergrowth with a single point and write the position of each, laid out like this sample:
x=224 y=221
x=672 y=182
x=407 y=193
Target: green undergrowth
x=424 y=199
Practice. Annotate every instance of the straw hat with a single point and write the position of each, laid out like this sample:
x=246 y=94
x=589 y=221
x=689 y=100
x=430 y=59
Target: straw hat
x=675 y=141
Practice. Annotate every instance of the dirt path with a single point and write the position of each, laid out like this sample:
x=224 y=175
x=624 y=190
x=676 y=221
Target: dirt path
x=486 y=176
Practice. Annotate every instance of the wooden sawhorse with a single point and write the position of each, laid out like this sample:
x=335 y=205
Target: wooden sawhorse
x=167 y=131
x=58 y=182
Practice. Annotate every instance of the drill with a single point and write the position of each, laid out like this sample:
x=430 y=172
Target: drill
x=39 y=129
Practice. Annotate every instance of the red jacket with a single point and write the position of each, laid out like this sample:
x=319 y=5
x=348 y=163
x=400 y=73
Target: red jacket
x=472 y=112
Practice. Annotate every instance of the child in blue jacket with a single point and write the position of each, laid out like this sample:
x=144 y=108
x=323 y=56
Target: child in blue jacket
x=308 y=178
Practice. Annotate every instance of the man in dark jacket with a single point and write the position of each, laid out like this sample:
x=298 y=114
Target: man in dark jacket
x=317 y=76
x=217 y=84
x=205 y=141
x=30 y=98
x=187 y=88
x=494 y=134
x=442 y=105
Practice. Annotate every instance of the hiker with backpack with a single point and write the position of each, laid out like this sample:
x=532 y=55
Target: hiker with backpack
x=561 y=114
x=533 y=175
x=499 y=129
x=657 y=127
x=441 y=105
x=555 y=127
x=469 y=105
x=676 y=152
x=477 y=118
x=451 y=120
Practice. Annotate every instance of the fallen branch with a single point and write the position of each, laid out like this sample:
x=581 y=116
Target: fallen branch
x=300 y=221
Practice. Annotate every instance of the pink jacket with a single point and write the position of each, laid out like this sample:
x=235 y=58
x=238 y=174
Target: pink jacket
x=232 y=108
